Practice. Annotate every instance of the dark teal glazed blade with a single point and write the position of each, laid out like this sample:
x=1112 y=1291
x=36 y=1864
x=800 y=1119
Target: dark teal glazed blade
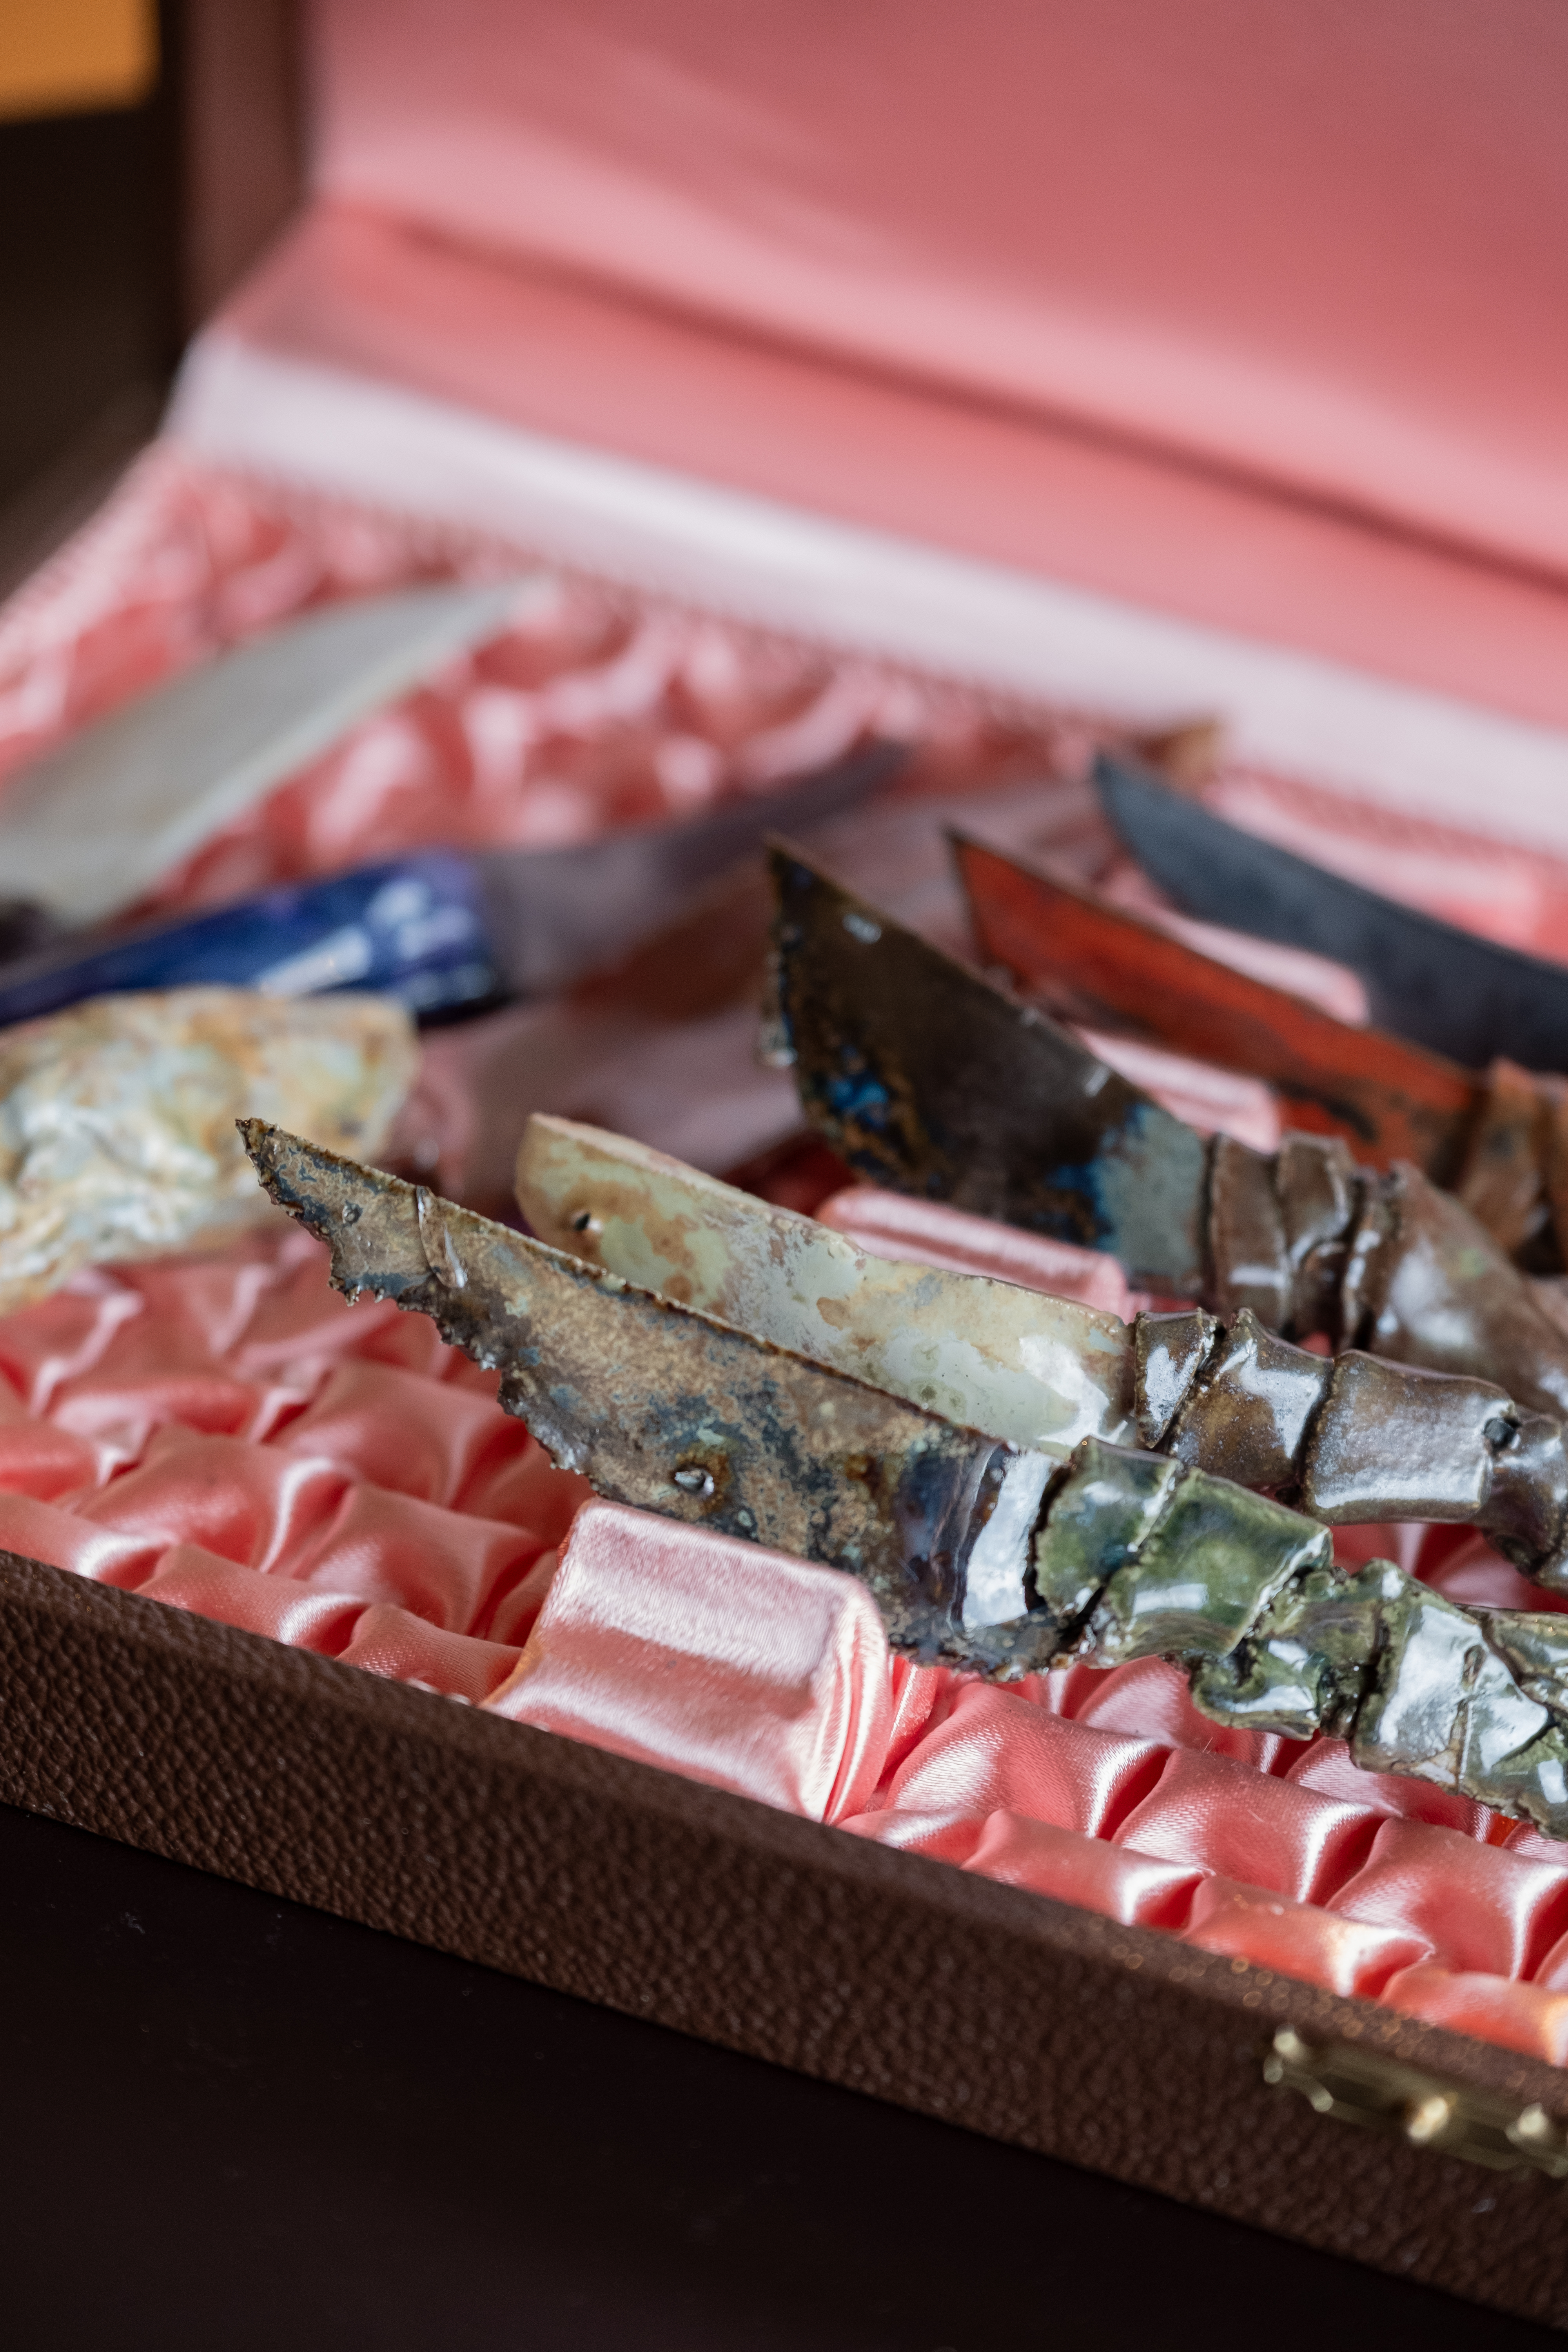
x=1429 y=981
x=928 y=1078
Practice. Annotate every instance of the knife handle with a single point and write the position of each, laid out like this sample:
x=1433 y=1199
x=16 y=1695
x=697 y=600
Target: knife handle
x=413 y=927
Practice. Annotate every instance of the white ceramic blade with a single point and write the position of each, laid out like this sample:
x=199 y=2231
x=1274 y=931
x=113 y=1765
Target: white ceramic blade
x=90 y=827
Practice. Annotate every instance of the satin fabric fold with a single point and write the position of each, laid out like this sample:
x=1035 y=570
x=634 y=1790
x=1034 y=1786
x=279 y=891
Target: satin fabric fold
x=1239 y=1823
x=997 y=1751
x=727 y=1662
x=224 y=1435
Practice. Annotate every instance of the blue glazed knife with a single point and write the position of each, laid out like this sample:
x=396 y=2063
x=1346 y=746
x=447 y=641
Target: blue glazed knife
x=444 y=929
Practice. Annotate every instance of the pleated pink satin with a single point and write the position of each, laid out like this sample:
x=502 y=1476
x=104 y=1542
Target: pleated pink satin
x=222 y=1433
x=596 y=711
x=225 y=1435
x=597 y=708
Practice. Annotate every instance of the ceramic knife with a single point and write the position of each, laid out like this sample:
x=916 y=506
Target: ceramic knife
x=1092 y=963
x=1348 y=1440
x=88 y=829
x=985 y=1557
x=926 y=1077
x=444 y=929
x=1471 y=998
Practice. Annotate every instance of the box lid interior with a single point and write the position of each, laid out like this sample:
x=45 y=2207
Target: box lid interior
x=1250 y=315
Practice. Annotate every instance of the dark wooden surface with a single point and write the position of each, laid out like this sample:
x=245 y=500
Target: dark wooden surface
x=120 y=230
x=231 y=2120
x=89 y=295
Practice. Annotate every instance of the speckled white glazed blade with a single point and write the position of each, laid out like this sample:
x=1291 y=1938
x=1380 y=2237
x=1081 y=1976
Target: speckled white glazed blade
x=1036 y=1371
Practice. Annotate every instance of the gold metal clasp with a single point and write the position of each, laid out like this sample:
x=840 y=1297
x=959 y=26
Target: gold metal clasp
x=1362 y=2087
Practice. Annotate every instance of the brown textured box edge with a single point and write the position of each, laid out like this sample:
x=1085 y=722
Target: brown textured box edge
x=1116 y=2048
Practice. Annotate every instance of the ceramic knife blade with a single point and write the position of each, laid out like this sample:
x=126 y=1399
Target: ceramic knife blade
x=1093 y=962
x=558 y=915
x=1446 y=988
x=928 y=1077
x=89 y=828
x=1040 y=1372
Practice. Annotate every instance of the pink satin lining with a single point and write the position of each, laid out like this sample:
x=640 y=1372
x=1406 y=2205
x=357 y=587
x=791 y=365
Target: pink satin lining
x=597 y=711
x=223 y=1434
x=597 y=708
x=741 y=1667
x=1240 y=239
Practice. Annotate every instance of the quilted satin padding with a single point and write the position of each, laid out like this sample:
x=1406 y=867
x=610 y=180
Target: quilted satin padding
x=1138 y=1889
x=996 y=1752
x=1524 y=2017
x=1347 y=1956
x=1242 y=1824
x=223 y=1434
x=1482 y=1909
x=227 y=1437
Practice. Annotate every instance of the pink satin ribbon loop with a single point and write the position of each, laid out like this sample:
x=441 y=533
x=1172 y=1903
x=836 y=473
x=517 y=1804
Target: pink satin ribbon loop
x=737 y=1665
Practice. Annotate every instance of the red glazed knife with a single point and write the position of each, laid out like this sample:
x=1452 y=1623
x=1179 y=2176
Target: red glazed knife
x=1097 y=964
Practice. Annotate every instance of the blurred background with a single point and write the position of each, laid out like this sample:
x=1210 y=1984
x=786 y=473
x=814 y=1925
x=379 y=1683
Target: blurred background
x=1245 y=311
x=147 y=153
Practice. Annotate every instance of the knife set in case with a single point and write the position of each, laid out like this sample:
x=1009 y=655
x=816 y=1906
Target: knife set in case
x=703 y=461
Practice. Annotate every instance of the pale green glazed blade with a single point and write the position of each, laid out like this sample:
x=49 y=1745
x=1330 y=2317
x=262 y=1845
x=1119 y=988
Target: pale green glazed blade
x=1037 y=1372
x=88 y=829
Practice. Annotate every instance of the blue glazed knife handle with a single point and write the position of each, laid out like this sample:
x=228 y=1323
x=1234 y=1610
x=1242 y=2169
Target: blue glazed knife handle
x=413 y=927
